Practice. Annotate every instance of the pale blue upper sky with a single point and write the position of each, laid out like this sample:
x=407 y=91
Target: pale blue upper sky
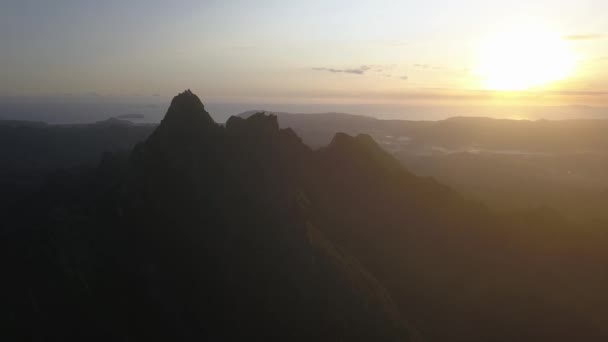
x=314 y=50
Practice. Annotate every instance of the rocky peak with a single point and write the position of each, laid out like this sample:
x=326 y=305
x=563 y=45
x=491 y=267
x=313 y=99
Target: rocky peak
x=343 y=140
x=187 y=111
x=186 y=123
x=259 y=124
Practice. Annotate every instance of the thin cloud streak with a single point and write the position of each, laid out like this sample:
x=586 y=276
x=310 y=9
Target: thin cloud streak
x=357 y=71
x=592 y=36
x=421 y=66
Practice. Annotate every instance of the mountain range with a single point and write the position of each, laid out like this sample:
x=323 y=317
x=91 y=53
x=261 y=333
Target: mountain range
x=242 y=231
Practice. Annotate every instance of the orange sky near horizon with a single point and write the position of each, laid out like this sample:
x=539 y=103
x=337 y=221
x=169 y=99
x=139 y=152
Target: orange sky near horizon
x=542 y=52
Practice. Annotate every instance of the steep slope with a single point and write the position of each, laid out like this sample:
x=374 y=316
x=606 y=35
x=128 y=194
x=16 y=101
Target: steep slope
x=224 y=199
x=202 y=237
x=210 y=232
x=30 y=152
x=457 y=270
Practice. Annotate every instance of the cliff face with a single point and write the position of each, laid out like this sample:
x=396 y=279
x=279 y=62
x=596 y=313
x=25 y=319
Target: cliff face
x=217 y=212
x=200 y=234
x=241 y=232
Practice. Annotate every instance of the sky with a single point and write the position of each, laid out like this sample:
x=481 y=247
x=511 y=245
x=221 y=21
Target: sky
x=330 y=51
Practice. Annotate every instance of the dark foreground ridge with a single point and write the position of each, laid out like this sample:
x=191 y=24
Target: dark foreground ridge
x=200 y=235
x=242 y=232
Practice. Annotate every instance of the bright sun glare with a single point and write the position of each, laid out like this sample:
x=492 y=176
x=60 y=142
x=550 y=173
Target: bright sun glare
x=523 y=59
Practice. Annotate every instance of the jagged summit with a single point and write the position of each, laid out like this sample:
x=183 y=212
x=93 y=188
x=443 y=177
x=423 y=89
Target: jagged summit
x=187 y=109
x=186 y=121
x=342 y=140
x=186 y=98
x=258 y=122
x=261 y=127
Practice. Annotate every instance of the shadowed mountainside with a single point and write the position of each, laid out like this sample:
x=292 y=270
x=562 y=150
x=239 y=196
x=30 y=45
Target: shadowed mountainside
x=507 y=164
x=31 y=151
x=198 y=235
x=242 y=231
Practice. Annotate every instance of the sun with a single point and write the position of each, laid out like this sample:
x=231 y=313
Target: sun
x=523 y=59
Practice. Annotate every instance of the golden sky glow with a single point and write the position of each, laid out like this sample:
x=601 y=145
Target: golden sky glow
x=310 y=51
x=524 y=58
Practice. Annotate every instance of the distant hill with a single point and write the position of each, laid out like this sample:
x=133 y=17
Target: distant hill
x=539 y=136
x=508 y=164
x=114 y=122
x=457 y=132
x=132 y=116
x=31 y=151
x=39 y=145
x=21 y=124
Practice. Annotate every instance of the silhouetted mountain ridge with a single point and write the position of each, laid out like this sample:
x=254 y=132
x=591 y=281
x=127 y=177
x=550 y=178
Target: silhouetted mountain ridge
x=241 y=231
x=322 y=116
x=414 y=234
x=199 y=234
x=114 y=122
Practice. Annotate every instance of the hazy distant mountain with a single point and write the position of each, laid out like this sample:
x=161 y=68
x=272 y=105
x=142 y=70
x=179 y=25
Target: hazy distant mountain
x=75 y=108
x=132 y=116
x=31 y=151
x=114 y=122
x=538 y=136
x=509 y=164
x=79 y=109
x=457 y=132
x=39 y=145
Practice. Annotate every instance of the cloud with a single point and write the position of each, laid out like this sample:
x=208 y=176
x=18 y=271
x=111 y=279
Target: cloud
x=427 y=66
x=404 y=77
x=378 y=70
x=591 y=36
x=356 y=71
x=421 y=66
x=578 y=93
